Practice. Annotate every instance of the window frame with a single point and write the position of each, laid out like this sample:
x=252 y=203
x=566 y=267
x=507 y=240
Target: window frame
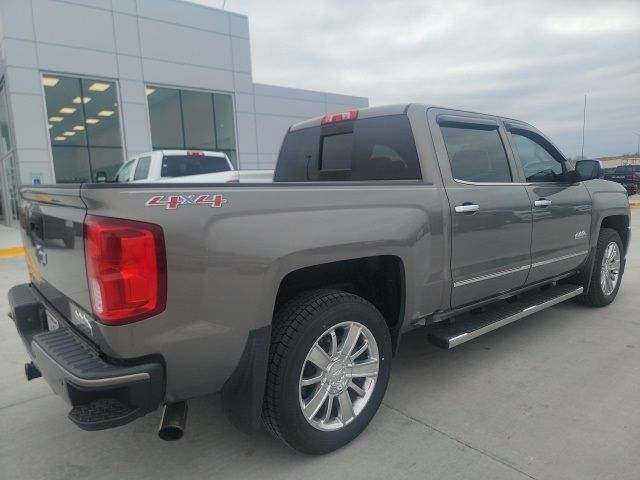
x=512 y=128
x=473 y=122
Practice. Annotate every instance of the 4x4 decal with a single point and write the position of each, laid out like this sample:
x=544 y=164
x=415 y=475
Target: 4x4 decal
x=172 y=202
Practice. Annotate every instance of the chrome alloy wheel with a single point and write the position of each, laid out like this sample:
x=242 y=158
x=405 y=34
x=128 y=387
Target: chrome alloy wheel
x=610 y=269
x=338 y=376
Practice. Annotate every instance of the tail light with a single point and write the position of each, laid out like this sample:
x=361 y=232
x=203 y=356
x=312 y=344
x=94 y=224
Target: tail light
x=126 y=269
x=339 y=117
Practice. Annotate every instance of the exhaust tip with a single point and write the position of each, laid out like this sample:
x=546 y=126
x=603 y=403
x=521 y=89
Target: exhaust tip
x=173 y=422
x=171 y=433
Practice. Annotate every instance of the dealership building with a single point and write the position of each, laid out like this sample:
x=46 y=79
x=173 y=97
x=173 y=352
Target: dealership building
x=86 y=84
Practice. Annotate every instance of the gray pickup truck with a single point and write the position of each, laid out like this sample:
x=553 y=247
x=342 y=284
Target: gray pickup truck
x=291 y=298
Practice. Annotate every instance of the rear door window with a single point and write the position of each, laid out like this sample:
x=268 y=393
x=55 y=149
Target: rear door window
x=378 y=148
x=184 y=165
x=142 y=168
x=476 y=153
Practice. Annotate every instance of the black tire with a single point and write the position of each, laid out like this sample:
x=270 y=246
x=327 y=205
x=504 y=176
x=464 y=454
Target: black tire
x=297 y=326
x=596 y=297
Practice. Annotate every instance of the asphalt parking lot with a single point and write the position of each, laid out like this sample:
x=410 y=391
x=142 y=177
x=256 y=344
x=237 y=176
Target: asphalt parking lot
x=554 y=396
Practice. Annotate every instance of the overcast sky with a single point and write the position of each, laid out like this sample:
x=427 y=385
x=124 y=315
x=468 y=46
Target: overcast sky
x=531 y=60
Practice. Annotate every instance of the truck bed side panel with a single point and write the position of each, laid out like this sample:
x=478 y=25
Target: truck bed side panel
x=225 y=264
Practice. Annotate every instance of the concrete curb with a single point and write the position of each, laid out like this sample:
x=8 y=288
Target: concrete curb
x=11 y=252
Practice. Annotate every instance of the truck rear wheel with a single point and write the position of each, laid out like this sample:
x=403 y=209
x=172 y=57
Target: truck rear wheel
x=607 y=271
x=329 y=366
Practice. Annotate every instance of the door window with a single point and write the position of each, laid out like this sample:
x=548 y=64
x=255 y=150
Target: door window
x=142 y=168
x=124 y=173
x=476 y=154
x=540 y=162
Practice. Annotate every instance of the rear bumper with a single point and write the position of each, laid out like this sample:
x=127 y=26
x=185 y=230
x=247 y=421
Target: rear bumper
x=102 y=393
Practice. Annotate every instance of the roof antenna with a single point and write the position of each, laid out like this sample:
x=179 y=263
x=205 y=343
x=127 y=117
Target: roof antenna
x=584 y=121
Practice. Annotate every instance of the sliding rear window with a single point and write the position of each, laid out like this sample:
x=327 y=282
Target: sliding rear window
x=379 y=148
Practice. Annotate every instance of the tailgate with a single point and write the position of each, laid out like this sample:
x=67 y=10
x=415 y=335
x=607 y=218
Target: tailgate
x=52 y=232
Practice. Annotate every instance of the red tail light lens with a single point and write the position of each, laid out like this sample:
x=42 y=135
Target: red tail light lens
x=339 y=117
x=126 y=269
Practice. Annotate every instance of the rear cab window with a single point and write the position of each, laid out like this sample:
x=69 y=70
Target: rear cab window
x=192 y=164
x=377 y=148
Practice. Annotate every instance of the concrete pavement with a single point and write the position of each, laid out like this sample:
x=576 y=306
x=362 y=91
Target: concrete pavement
x=553 y=396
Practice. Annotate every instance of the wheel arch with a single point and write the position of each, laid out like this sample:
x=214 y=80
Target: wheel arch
x=378 y=279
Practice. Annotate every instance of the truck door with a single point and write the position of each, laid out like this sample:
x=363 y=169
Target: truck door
x=490 y=208
x=561 y=209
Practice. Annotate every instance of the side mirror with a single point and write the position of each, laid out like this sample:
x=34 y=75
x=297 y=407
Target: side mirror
x=589 y=169
x=101 y=177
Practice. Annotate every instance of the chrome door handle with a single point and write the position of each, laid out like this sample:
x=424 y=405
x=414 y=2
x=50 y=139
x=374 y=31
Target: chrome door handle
x=467 y=208
x=543 y=202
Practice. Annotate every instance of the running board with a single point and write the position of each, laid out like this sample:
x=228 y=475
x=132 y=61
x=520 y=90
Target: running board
x=454 y=334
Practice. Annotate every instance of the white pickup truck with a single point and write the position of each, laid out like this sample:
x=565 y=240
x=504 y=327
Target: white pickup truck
x=186 y=166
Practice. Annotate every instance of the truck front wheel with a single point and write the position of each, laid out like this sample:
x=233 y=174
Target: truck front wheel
x=607 y=271
x=329 y=366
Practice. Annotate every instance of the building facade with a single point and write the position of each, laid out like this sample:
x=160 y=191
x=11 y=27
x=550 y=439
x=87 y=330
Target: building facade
x=85 y=84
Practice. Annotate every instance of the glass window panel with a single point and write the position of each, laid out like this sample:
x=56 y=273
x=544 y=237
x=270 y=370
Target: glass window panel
x=5 y=133
x=84 y=127
x=537 y=161
x=63 y=114
x=102 y=106
x=225 y=131
x=71 y=164
x=476 y=154
x=197 y=112
x=124 y=174
x=107 y=160
x=142 y=168
x=166 y=118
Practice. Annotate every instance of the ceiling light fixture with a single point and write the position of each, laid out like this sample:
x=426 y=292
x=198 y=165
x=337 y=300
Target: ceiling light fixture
x=69 y=134
x=106 y=113
x=79 y=128
x=67 y=110
x=50 y=81
x=56 y=119
x=99 y=87
x=149 y=91
x=60 y=139
x=83 y=100
x=92 y=121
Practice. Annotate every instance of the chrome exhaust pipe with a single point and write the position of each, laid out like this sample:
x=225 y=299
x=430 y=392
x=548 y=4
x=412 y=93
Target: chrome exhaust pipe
x=174 y=420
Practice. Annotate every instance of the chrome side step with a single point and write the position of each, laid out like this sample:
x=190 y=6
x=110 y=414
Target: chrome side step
x=461 y=331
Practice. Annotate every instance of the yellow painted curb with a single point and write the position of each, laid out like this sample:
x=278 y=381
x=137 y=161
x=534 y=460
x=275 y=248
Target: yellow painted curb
x=11 y=252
